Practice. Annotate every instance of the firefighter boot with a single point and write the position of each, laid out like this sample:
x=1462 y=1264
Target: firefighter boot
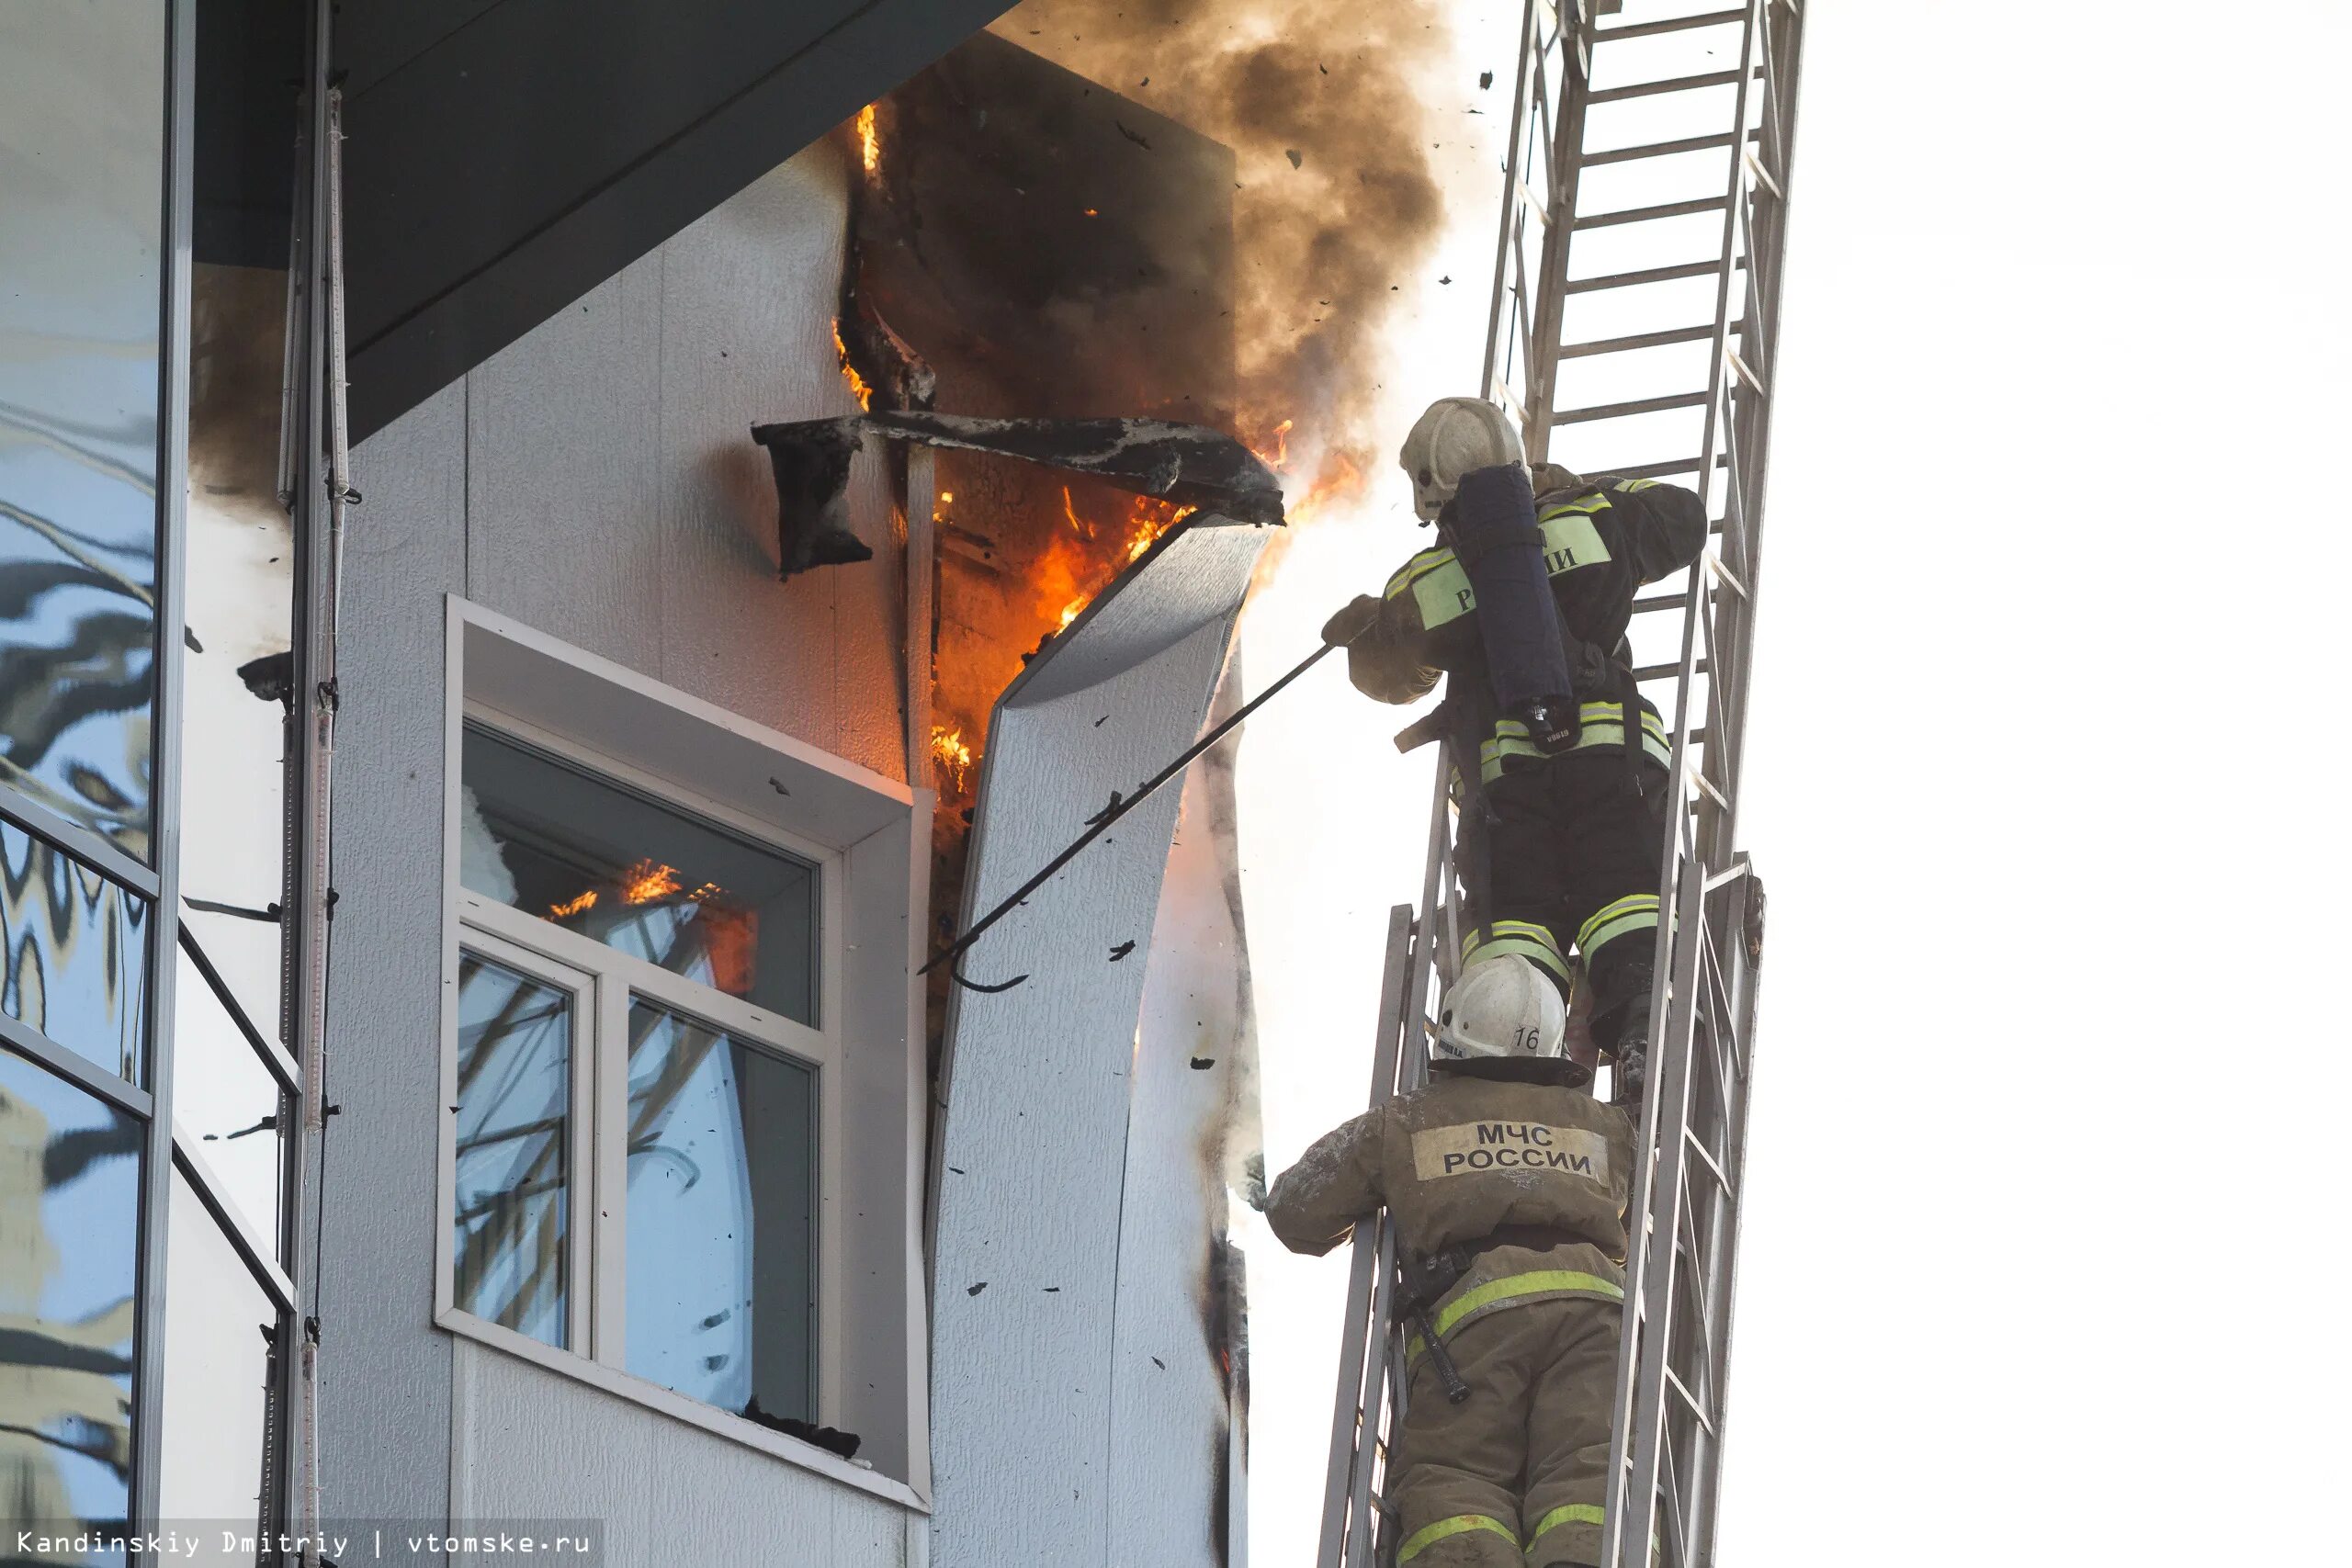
x=1630 y=1056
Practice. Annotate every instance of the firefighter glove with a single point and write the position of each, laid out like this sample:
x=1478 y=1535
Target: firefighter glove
x=1357 y=616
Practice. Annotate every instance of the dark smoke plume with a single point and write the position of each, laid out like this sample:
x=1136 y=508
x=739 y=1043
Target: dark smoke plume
x=1321 y=101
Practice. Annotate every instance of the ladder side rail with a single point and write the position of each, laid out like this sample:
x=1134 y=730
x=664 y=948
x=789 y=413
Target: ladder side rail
x=1647 y=1153
x=1768 y=221
x=1513 y=201
x=1379 y=1406
x=1668 y=1108
x=1739 y=996
x=1352 y=1418
x=1663 y=1162
x=1551 y=290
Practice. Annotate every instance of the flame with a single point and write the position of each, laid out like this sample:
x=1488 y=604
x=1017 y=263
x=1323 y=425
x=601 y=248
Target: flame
x=1069 y=509
x=572 y=907
x=1148 y=520
x=869 y=141
x=1338 y=480
x=1279 y=441
x=954 y=754
x=645 y=882
x=848 y=372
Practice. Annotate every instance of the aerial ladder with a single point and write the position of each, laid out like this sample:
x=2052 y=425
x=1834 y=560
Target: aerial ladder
x=1633 y=331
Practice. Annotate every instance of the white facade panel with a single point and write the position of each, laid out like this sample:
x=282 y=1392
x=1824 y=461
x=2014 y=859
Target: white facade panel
x=596 y=482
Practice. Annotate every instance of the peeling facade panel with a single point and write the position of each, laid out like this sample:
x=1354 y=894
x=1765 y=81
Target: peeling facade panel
x=1042 y=1431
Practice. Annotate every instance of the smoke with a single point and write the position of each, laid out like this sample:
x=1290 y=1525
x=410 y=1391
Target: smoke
x=1322 y=102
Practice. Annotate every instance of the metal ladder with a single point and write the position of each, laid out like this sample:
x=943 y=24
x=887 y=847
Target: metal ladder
x=1636 y=300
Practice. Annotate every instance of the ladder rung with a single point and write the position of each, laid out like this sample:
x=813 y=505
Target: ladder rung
x=1660 y=601
x=1646 y=339
x=1643 y=214
x=1624 y=410
x=1651 y=274
x=1661 y=149
x=1667 y=84
x=1672 y=25
x=1661 y=672
x=1659 y=470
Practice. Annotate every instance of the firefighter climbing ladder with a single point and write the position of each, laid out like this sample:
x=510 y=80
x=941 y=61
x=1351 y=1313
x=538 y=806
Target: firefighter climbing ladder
x=1638 y=270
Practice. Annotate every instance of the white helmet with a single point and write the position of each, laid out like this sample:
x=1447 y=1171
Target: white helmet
x=1453 y=437
x=1502 y=1007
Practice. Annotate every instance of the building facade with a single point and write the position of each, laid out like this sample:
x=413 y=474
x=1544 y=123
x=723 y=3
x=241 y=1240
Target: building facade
x=462 y=1058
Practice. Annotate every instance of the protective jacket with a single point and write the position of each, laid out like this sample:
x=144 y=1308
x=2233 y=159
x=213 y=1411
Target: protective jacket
x=1485 y=1145
x=1492 y=1146
x=1602 y=540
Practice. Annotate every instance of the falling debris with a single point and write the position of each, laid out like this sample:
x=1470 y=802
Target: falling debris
x=1160 y=1364
x=1203 y=1064
x=1123 y=949
x=976 y=1290
x=1292 y=154
x=1053 y=1290
x=1448 y=278
x=1132 y=136
x=1485 y=80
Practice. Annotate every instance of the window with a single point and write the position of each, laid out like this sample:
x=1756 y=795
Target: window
x=683 y=1132
x=639 y=989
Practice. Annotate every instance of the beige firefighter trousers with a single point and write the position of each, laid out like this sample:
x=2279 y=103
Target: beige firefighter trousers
x=1512 y=1477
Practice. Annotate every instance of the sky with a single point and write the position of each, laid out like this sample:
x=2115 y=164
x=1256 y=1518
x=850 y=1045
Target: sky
x=2037 y=1255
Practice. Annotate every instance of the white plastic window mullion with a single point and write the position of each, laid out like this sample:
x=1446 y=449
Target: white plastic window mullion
x=609 y=1186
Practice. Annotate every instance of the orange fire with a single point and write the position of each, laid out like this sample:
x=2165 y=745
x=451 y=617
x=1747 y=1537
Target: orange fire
x=1279 y=441
x=1148 y=520
x=869 y=141
x=645 y=882
x=848 y=372
x=954 y=753
x=1338 y=480
x=572 y=907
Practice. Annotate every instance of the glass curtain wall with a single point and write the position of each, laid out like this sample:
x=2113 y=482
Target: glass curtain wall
x=143 y=1280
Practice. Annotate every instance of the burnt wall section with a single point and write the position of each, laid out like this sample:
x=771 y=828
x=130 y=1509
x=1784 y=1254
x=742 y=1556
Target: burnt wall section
x=1049 y=248
x=595 y=482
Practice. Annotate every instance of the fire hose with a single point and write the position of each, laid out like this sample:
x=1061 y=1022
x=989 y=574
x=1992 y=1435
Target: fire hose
x=1100 y=823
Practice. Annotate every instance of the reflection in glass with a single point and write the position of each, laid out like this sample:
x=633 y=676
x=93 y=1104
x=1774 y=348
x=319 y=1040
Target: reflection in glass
x=722 y=1144
x=513 y=1149
x=69 y=1197
x=81 y=183
x=75 y=947
x=216 y=1328
x=638 y=875
x=228 y=1102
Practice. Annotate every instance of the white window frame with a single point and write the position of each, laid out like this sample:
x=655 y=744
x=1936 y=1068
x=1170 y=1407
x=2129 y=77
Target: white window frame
x=602 y=980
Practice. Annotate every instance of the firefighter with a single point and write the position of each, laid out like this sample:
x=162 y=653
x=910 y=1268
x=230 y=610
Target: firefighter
x=1523 y=604
x=1508 y=1189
